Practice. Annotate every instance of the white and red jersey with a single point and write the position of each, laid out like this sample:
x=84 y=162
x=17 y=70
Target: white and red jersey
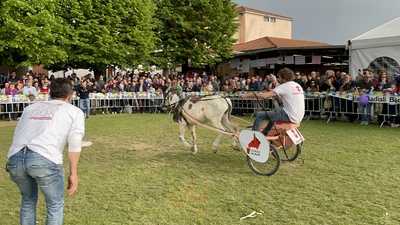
x=292 y=96
x=45 y=128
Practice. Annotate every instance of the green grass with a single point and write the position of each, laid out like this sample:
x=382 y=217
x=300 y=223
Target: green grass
x=137 y=173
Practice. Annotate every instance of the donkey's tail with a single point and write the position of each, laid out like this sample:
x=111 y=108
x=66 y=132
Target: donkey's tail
x=226 y=119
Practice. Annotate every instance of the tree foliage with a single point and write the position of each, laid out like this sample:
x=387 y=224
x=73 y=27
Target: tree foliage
x=98 y=33
x=108 y=32
x=30 y=32
x=196 y=31
x=78 y=33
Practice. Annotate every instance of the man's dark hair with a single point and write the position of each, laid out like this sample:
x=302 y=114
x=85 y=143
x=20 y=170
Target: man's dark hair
x=286 y=74
x=60 y=88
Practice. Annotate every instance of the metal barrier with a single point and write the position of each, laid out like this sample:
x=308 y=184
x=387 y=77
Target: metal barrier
x=125 y=104
x=389 y=114
x=381 y=109
x=128 y=105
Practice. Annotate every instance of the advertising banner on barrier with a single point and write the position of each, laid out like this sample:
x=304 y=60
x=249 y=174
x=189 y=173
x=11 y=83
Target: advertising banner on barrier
x=385 y=99
x=45 y=97
x=389 y=99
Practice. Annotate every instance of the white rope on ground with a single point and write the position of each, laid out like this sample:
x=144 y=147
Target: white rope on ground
x=86 y=144
x=252 y=215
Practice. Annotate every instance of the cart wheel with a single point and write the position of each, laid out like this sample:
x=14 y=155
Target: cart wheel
x=292 y=153
x=268 y=168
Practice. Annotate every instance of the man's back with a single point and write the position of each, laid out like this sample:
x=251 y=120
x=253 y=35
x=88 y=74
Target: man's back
x=292 y=96
x=44 y=128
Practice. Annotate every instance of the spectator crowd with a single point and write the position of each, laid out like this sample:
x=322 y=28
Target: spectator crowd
x=33 y=84
x=366 y=82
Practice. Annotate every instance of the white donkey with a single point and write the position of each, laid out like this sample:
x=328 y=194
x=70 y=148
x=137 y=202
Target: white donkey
x=213 y=110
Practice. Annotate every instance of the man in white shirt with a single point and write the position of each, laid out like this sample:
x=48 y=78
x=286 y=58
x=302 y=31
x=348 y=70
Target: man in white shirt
x=292 y=96
x=36 y=155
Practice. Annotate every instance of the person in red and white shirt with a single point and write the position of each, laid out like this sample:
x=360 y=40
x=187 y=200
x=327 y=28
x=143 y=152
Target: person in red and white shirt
x=292 y=96
x=45 y=88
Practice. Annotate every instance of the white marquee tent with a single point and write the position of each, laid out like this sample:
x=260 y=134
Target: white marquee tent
x=378 y=49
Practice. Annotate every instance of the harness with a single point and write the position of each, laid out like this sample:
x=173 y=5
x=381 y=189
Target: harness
x=177 y=110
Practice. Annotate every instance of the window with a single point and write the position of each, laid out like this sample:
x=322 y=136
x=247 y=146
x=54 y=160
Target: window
x=385 y=64
x=270 y=19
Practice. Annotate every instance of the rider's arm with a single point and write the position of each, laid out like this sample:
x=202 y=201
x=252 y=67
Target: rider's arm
x=266 y=94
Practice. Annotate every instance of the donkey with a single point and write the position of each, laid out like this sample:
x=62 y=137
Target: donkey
x=213 y=110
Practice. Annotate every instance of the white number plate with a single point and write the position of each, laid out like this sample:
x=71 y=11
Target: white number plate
x=295 y=136
x=255 y=145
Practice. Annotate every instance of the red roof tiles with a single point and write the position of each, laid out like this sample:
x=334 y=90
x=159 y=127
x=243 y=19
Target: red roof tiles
x=272 y=42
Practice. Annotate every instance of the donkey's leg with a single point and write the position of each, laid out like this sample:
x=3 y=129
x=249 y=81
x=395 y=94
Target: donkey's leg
x=216 y=143
x=194 y=138
x=182 y=128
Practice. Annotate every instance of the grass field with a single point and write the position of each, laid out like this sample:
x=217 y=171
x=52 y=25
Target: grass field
x=137 y=173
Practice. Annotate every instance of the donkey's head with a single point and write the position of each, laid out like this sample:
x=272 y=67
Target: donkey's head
x=171 y=99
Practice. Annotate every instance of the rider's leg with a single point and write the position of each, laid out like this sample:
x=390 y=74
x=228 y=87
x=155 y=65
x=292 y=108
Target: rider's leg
x=274 y=116
x=260 y=118
x=269 y=126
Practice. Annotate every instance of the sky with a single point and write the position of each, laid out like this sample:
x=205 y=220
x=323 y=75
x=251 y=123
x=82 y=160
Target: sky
x=330 y=21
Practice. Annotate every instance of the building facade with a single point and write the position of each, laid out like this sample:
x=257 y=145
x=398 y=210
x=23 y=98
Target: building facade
x=255 y=24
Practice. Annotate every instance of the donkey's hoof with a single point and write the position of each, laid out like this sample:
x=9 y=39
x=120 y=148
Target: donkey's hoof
x=194 y=150
x=215 y=149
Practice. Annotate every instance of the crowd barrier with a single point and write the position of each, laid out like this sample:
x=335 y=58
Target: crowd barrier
x=329 y=106
x=12 y=107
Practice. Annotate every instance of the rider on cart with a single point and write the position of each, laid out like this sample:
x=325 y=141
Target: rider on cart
x=292 y=96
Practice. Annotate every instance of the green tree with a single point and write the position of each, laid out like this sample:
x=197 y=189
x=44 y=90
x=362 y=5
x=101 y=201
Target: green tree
x=196 y=31
x=30 y=33
x=107 y=32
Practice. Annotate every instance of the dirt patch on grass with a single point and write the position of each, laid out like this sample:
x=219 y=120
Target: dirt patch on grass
x=124 y=144
x=143 y=146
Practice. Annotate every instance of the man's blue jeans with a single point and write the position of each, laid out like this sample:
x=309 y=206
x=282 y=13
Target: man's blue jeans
x=84 y=105
x=272 y=116
x=31 y=171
